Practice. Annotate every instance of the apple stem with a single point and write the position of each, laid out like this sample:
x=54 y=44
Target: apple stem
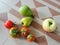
x=32 y=16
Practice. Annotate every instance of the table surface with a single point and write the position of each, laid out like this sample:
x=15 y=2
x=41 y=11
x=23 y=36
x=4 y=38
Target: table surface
x=42 y=10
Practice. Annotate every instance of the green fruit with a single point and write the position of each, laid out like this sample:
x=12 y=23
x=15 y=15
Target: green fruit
x=26 y=11
x=26 y=21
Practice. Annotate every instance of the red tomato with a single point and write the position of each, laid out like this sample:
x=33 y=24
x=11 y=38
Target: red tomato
x=30 y=37
x=25 y=31
x=8 y=24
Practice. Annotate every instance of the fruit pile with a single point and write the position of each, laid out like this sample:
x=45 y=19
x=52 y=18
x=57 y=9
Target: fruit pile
x=49 y=25
x=15 y=32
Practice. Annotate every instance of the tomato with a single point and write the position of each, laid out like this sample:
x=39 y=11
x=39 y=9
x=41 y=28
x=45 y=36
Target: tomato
x=14 y=32
x=8 y=24
x=25 y=31
x=30 y=37
x=14 y=28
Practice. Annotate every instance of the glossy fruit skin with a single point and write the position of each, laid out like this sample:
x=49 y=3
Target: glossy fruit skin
x=25 y=31
x=8 y=24
x=26 y=21
x=26 y=11
x=30 y=37
x=14 y=32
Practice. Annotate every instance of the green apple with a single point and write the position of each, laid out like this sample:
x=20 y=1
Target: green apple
x=26 y=21
x=49 y=25
x=26 y=11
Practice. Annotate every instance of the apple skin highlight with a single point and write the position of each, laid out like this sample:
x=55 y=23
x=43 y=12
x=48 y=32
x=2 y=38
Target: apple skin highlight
x=49 y=27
